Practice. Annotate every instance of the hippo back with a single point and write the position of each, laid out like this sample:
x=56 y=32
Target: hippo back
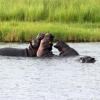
x=12 y=52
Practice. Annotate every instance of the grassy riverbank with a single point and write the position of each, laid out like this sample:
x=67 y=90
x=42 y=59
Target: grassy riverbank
x=70 y=20
x=50 y=10
x=74 y=32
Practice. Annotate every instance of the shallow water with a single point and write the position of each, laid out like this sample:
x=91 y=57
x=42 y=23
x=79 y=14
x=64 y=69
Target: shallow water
x=50 y=79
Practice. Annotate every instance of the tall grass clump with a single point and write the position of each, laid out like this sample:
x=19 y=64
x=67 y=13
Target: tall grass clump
x=50 y=10
x=69 y=20
x=73 y=32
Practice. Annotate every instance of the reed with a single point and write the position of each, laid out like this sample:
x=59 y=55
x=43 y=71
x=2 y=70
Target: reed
x=50 y=10
x=69 y=20
x=73 y=32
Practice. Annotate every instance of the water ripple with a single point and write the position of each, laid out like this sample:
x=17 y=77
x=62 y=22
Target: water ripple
x=51 y=79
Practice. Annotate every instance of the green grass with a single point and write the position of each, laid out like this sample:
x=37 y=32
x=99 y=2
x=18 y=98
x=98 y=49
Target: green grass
x=73 y=32
x=70 y=20
x=50 y=10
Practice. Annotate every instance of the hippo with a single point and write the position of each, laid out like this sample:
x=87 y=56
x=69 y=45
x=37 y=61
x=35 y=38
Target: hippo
x=87 y=59
x=45 y=48
x=66 y=51
x=34 y=44
x=26 y=52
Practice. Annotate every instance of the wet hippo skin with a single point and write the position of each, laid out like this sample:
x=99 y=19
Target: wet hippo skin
x=27 y=52
x=45 y=48
x=87 y=59
x=65 y=49
x=13 y=52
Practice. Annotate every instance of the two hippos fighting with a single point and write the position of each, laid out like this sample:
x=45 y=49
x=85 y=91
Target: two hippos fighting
x=42 y=47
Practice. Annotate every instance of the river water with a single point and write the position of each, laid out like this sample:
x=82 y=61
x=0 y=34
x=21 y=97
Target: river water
x=52 y=78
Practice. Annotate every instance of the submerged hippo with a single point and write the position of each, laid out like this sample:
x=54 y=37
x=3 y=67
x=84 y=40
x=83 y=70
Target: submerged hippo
x=27 y=52
x=87 y=59
x=45 y=48
x=66 y=51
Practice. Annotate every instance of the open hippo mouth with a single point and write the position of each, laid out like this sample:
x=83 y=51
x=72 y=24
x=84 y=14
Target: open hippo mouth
x=36 y=42
x=49 y=39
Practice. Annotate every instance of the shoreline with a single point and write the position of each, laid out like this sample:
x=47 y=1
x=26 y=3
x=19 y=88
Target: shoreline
x=16 y=31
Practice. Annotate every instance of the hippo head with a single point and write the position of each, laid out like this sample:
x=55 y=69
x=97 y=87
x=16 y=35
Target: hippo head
x=45 y=48
x=40 y=36
x=49 y=36
x=35 y=43
x=60 y=45
x=49 y=39
x=87 y=59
